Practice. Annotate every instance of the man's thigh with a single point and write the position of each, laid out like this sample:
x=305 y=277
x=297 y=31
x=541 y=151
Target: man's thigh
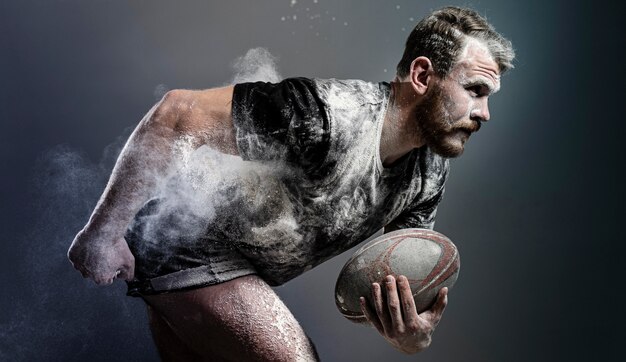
x=242 y=319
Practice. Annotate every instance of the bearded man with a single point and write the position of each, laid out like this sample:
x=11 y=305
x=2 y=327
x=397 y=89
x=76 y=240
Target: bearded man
x=294 y=173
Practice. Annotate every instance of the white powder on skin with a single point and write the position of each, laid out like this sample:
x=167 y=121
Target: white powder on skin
x=262 y=322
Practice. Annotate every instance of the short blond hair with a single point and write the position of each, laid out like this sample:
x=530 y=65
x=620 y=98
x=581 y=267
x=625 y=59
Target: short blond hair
x=442 y=35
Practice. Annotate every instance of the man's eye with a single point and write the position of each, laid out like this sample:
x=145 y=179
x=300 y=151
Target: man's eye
x=478 y=91
x=474 y=90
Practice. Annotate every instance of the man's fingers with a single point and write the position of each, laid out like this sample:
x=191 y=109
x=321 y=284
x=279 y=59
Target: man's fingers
x=371 y=316
x=126 y=270
x=408 y=303
x=130 y=272
x=436 y=311
x=125 y=273
x=379 y=306
x=104 y=263
x=393 y=303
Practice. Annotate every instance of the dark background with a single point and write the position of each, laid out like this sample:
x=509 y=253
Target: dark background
x=535 y=205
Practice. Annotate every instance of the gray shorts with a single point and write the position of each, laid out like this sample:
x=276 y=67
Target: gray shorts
x=168 y=259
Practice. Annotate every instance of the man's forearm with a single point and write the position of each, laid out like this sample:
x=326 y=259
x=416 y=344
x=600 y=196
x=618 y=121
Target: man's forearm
x=181 y=122
x=147 y=157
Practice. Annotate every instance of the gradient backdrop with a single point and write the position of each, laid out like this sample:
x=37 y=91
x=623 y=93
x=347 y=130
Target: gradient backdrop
x=535 y=205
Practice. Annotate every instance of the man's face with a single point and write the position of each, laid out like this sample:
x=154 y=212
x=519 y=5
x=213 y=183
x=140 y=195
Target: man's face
x=455 y=106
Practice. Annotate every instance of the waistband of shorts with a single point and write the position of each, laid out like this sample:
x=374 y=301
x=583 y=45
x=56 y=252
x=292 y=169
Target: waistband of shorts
x=187 y=279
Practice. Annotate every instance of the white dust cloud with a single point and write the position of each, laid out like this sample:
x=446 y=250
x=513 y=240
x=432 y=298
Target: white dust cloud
x=60 y=315
x=258 y=64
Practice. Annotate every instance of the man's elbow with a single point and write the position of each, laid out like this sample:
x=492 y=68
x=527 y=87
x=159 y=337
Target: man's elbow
x=200 y=117
x=172 y=110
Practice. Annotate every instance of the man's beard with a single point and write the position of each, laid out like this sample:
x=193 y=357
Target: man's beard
x=438 y=128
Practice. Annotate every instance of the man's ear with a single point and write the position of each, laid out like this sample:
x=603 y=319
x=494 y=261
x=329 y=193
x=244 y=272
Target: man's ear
x=421 y=74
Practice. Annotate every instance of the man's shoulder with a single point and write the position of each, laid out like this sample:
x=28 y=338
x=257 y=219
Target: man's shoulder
x=333 y=84
x=331 y=89
x=347 y=91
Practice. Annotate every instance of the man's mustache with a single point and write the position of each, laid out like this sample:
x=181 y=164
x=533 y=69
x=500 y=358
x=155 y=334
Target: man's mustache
x=470 y=127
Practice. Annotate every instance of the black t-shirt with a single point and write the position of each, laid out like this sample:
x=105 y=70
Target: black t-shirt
x=312 y=184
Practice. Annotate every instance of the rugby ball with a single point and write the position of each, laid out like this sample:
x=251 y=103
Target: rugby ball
x=428 y=259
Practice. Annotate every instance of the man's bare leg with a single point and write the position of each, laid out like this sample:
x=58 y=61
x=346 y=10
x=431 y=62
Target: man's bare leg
x=240 y=320
x=171 y=348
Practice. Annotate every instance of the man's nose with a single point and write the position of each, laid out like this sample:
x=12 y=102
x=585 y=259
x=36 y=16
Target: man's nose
x=481 y=112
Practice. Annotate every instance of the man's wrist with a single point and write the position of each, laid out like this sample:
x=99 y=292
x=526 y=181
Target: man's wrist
x=104 y=230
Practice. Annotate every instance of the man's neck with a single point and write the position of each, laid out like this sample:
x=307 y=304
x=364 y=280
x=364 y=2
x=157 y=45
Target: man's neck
x=400 y=133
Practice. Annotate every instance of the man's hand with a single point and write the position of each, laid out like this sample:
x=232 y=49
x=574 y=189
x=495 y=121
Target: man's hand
x=100 y=259
x=396 y=318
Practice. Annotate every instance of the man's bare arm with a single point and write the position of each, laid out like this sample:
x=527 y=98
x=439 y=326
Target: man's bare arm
x=203 y=117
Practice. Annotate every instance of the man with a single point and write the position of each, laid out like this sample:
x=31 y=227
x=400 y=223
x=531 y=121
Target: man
x=323 y=164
